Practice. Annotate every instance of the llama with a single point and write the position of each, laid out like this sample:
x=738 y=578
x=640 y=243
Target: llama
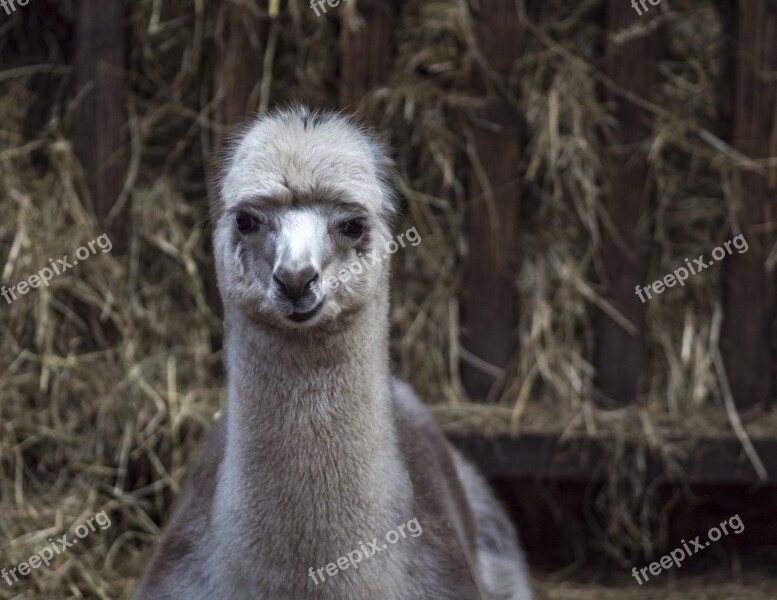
x=320 y=449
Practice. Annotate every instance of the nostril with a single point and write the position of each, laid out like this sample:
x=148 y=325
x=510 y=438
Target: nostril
x=280 y=284
x=295 y=284
x=310 y=284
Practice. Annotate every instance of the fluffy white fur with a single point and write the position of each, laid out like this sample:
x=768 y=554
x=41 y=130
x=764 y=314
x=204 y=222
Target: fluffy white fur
x=320 y=449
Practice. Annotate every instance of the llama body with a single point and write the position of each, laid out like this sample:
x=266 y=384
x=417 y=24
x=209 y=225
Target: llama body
x=320 y=450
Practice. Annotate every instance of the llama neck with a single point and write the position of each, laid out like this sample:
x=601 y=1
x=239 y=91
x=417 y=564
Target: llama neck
x=312 y=461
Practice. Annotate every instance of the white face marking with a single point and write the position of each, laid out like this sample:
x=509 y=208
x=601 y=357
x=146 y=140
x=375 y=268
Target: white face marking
x=301 y=241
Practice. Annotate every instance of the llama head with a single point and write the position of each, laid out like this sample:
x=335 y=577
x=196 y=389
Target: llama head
x=305 y=204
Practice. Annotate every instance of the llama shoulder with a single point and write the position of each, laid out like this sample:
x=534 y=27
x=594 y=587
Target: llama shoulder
x=187 y=530
x=429 y=458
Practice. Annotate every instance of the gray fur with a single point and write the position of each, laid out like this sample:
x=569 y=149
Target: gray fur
x=319 y=449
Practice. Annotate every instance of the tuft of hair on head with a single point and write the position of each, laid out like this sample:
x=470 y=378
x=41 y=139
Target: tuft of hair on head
x=299 y=116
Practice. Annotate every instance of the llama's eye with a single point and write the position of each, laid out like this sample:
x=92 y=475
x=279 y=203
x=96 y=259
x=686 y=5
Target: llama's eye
x=353 y=228
x=246 y=223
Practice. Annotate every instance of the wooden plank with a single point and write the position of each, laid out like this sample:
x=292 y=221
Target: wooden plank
x=43 y=89
x=366 y=51
x=631 y=67
x=239 y=64
x=101 y=130
x=490 y=305
x=749 y=289
x=547 y=456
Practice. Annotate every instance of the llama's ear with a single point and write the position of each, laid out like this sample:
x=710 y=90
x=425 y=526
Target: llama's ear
x=216 y=200
x=216 y=204
x=394 y=203
x=386 y=170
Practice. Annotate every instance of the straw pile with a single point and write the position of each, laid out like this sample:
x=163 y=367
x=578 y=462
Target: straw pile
x=111 y=376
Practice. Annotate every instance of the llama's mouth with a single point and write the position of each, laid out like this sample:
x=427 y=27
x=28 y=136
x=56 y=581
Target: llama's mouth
x=301 y=317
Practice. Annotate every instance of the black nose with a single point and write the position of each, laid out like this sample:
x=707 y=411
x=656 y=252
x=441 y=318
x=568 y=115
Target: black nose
x=295 y=283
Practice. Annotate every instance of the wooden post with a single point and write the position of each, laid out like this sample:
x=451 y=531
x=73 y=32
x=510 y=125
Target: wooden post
x=367 y=51
x=39 y=104
x=750 y=290
x=101 y=125
x=631 y=67
x=240 y=64
x=490 y=306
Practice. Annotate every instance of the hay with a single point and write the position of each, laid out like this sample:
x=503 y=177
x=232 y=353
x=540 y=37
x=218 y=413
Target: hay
x=551 y=388
x=111 y=376
x=760 y=587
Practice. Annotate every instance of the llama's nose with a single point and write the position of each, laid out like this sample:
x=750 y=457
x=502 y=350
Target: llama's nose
x=295 y=283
